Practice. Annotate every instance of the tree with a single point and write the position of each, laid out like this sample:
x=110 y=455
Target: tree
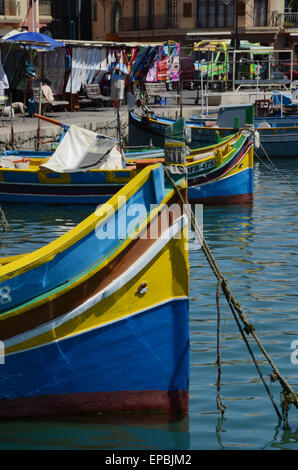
x=293 y=4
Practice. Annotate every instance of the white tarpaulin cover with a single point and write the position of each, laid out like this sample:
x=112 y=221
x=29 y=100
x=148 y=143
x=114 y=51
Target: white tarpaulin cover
x=83 y=150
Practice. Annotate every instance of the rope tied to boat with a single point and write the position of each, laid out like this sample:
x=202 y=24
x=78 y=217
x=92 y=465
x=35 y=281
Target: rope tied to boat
x=220 y=404
x=288 y=396
x=5 y=225
x=251 y=128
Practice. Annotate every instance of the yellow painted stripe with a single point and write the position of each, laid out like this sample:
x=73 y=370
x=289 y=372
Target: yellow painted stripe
x=60 y=291
x=166 y=276
x=48 y=252
x=221 y=145
x=245 y=163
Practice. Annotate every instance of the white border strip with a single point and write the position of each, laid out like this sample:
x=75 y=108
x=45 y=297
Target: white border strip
x=158 y=304
x=117 y=284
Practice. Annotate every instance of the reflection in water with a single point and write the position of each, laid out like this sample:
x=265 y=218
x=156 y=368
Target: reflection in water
x=97 y=432
x=34 y=225
x=219 y=430
x=256 y=250
x=283 y=438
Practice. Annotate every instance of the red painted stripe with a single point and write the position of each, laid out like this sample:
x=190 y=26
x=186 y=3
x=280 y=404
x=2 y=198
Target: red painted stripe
x=222 y=200
x=97 y=402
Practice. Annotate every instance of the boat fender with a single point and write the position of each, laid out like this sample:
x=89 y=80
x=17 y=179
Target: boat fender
x=23 y=160
x=210 y=123
x=142 y=289
x=264 y=125
x=257 y=142
x=187 y=135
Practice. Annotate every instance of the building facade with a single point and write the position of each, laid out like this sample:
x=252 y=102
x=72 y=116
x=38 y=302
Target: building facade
x=71 y=19
x=62 y=19
x=30 y=15
x=269 y=22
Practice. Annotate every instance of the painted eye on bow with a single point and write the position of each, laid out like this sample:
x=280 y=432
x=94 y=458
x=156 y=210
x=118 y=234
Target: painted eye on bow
x=142 y=289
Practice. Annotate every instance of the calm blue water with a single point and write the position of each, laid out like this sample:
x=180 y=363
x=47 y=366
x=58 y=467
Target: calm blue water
x=256 y=250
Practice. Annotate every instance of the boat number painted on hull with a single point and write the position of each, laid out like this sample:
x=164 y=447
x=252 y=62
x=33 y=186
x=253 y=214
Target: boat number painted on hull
x=201 y=166
x=5 y=297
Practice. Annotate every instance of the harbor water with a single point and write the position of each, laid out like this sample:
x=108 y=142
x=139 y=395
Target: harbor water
x=256 y=249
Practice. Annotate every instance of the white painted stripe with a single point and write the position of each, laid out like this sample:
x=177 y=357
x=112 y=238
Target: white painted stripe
x=63 y=185
x=144 y=310
x=60 y=196
x=117 y=284
x=221 y=178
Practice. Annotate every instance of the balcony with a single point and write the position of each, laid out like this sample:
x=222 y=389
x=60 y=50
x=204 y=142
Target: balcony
x=10 y=11
x=288 y=20
x=8 y=8
x=146 y=22
x=269 y=22
x=45 y=8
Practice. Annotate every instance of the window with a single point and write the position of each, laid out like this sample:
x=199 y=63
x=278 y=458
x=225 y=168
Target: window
x=214 y=14
x=222 y=57
x=136 y=14
x=187 y=10
x=116 y=18
x=172 y=14
x=151 y=14
x=1 y=7
x=94 y=11
x=260 y=12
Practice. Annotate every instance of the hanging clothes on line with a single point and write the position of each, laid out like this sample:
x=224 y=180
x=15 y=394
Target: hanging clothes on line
x=52 y=64
x=85 y=65
x=4 y=85
x=143 y=62
x=175 y=63
x=165 y=65
x=75 y=77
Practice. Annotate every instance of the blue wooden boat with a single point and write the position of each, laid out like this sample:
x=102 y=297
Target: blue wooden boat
x=149 y=128
x=217 y=174
x=278 y=136
x=97 y=320
x=278 y=132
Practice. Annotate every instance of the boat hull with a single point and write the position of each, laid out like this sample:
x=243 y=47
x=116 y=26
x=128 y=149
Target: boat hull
x=151 y=130
x=278 y=142
x=139 y=363
x=228 y=182
x=106 y=328
x=232 y=183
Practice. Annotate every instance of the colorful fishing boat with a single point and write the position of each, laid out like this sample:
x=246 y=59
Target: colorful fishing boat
x=217 y=174
x=278 y=136
x=148 y=128
x=97 y=320
x=278 y=132
x=222 y=173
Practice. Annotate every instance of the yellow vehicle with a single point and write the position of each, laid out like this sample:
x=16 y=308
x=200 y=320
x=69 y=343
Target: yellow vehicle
x=216 y=61
x=211 y=59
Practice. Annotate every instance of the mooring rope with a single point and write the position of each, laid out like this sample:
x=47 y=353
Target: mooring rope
x=115 y=119
x=5 y=225
x=277 y=169
x=220 y=404
x=288 y=396
x=262 y=161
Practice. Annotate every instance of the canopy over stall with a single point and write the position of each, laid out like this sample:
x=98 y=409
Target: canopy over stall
x=38 y=41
